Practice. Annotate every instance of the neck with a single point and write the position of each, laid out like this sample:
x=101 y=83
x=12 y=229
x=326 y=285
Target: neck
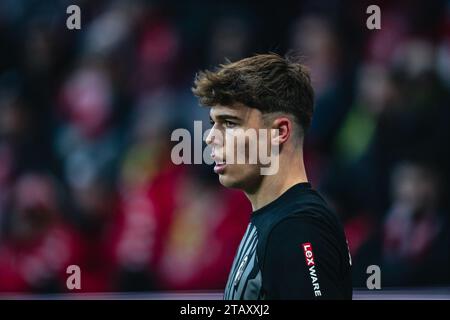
x=271 y=187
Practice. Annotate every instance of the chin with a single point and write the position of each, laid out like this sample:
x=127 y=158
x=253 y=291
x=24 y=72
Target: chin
x=236 y=181
x=227 y=181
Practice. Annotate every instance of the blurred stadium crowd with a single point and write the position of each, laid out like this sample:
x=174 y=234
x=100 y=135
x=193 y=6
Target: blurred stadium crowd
x=86 y=116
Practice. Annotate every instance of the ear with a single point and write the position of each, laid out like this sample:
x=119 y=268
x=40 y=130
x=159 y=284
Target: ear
x=284 y=127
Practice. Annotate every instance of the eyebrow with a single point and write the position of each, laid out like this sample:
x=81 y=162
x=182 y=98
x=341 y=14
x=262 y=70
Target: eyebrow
x=224 y=117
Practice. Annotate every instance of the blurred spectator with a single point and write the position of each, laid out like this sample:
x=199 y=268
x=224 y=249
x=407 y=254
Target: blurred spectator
x=230 y=39
x=38 y=246
x=87 y=142
x=200 y=242
x=415 y=235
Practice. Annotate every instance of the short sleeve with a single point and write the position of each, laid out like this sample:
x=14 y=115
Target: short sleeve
x=301 y=262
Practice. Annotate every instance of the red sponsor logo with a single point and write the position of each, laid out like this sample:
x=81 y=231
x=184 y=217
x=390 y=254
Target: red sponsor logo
x=310 y=263
x=309 y=255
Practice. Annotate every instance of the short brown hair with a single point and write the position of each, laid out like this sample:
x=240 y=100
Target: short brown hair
x=267 y=82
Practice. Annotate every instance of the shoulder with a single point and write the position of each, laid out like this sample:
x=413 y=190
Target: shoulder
x=312 y=204
x=295 y=237
x=304 y=219
x=296 y=229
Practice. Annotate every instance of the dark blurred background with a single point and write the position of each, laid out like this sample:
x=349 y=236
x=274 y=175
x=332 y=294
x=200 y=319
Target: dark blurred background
x=86 y=116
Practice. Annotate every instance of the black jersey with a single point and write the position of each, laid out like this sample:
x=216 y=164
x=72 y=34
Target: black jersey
x=294 y=248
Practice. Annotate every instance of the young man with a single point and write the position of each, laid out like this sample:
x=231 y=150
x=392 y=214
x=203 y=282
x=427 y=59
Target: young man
x=294 y=246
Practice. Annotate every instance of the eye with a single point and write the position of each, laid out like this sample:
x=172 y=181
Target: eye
x=229 y=124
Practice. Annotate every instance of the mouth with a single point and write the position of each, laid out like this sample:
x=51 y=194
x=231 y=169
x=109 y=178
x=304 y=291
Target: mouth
x=220 y=167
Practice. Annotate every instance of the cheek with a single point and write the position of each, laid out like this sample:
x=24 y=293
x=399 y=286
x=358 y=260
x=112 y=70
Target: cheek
x=237 y=149
x=243 y=171
x=240 y=176
x=230 y=148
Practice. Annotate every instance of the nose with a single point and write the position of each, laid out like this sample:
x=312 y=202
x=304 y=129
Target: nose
x=215 y=137
x=210 y=137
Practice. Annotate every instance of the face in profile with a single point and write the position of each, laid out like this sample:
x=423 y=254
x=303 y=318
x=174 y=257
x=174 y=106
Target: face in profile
x=233 y=145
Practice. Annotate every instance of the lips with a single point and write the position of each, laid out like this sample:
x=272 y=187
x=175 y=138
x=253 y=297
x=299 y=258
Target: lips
x=220 y=167
x=220 y=164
